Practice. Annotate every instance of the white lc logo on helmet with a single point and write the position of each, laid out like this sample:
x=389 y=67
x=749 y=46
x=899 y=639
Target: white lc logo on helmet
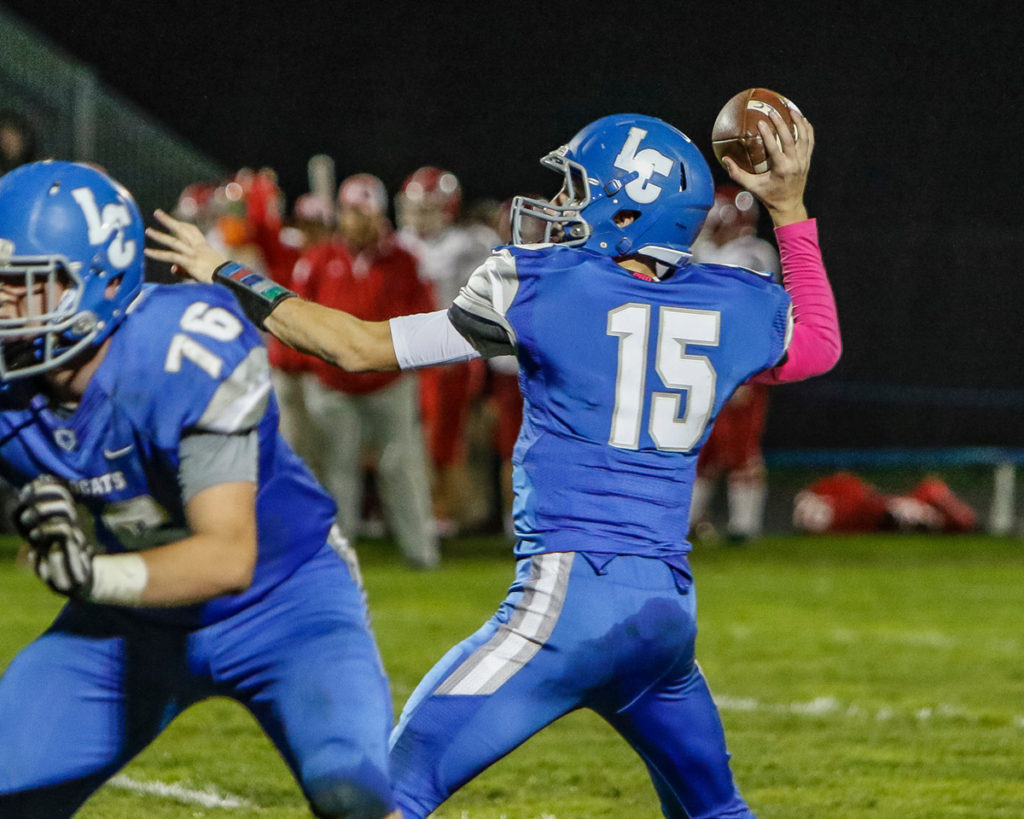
x=646 y=163
x=115 y=217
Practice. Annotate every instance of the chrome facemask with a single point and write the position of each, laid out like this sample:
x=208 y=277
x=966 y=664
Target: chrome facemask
x=38 y=341
x=562 y=222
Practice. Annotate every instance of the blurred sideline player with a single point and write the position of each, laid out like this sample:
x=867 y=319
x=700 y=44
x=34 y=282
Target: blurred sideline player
x=845 y=502
x=426 y=210
x=207 y=564
x=293 y=373
x=363 y=270
x=18 y=140
x=243 y=217
x=729 y=235
x=278 y=248
x=503 y=382
x=626 y=351
x=733 y=450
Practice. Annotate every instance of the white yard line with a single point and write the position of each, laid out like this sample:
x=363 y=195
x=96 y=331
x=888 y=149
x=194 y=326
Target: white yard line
x=467 y=815
x=207 y=798
x=820 y=706
x=829 y=706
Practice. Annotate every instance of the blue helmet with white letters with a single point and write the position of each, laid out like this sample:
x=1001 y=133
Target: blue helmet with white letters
x=632 y=184
x=71 y=257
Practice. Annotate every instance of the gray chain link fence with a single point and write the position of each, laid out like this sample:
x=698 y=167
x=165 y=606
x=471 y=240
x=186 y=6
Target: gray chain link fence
x=77 y=118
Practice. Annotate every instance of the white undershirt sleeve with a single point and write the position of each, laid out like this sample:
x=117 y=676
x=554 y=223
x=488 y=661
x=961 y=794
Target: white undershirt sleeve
x=426 y=339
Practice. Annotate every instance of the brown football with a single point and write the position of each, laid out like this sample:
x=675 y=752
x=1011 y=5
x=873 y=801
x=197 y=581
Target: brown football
x=735 y=133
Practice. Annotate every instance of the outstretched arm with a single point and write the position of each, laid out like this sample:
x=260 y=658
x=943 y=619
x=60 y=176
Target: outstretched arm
x=334 y=336
x=815 y=346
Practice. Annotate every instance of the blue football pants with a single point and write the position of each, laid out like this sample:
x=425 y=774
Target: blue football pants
x=576 y=631
x=99 y=685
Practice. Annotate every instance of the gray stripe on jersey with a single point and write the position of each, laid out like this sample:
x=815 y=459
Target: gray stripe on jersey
x=343 y=549
x=517 y=641
x=241 y=400
x=490 y=291
x=210 y=458
x=488 y=338
x=789 y=329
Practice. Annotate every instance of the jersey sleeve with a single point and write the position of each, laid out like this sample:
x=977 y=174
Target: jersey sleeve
x=814 y=344
x=193 y=364
x=784 y=320
x=426 y=339
x=208 y=459
x=240 y=400
x=480 y=310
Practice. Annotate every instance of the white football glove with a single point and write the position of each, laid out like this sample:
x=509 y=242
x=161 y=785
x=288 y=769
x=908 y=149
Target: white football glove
x=59 y=553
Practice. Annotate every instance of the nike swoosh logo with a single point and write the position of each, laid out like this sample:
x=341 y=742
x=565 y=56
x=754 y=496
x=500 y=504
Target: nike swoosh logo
x=118 y=453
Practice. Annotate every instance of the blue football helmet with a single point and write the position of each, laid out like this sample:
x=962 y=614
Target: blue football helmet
x=75 y=237
x=631 y=164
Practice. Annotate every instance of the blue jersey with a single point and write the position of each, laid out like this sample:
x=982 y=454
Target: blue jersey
x=183 y=362
x=621 y=378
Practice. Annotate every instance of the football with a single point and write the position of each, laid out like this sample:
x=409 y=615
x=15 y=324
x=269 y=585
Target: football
x=735 y=131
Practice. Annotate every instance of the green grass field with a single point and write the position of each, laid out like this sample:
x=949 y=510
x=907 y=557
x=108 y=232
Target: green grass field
x=875 y=676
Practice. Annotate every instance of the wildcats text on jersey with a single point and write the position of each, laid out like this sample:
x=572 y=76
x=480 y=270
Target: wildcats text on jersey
x=101 y=484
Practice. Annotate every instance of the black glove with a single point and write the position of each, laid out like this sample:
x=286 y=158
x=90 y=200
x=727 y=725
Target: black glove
x=59 y=553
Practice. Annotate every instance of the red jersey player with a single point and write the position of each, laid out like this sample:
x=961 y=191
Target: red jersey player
x=733 y=450
x=426 y=209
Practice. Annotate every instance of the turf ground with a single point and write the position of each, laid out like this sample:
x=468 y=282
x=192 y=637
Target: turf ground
x=873 y=676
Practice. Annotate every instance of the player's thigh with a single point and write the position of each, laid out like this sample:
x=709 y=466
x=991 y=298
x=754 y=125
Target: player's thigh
x=447 y=739
x=392 y=417
x=485 y=697
x=77 y=704
x=308 y=668
x=402 y=471
x=335 y=418
x=676 y=729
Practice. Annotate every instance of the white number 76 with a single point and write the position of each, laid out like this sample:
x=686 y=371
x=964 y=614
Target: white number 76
x=215 y=322
x=678 y=370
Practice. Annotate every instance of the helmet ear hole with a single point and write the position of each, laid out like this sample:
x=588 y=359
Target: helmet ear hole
x=626 y=217
x=114 y=285
x=651 y=186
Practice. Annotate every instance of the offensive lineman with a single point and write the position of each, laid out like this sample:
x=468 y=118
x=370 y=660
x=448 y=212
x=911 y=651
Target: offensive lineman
x=151 y=406
x=626 y=353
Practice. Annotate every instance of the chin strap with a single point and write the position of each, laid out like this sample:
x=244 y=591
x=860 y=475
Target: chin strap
x=257 y=295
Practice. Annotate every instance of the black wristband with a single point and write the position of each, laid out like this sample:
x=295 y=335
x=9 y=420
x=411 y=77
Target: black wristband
x=257 y=295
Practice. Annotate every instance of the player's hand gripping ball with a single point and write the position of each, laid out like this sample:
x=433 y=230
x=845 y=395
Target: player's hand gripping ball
x=60 y=553
x=735 y=133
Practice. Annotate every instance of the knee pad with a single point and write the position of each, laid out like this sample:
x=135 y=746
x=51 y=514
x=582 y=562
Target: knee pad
x=347 y=800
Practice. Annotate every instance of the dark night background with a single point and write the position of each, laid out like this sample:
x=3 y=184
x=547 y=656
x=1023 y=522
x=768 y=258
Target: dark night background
x=916 y=179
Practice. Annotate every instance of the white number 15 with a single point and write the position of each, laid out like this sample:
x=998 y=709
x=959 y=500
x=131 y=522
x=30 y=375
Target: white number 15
x=678 y=371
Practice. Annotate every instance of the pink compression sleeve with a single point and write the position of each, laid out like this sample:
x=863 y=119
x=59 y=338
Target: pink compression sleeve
x=815 y=346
